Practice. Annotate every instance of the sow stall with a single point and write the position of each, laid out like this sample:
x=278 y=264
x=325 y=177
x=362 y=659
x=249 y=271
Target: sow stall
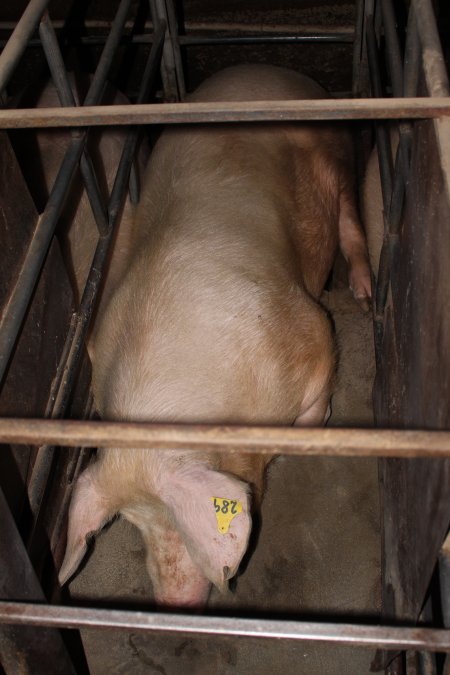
x=44 y=369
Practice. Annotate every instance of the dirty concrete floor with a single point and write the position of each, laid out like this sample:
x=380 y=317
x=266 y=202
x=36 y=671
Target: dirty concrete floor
x=318 y=554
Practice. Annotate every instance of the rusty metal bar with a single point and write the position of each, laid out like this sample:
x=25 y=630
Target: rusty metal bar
x=238 y=111
x=249 y=439
x=389 y=637
x=24 y=649
x=17 y=42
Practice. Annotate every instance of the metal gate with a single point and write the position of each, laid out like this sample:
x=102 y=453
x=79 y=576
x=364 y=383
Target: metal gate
x=398 y=61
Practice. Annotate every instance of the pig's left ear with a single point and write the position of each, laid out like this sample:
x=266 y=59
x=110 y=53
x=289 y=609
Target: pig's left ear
x=89 y=511
x=212 y=513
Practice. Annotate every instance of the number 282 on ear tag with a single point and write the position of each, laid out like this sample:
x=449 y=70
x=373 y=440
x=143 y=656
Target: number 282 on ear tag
x=226 y=510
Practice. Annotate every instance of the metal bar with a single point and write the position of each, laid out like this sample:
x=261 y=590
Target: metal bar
x=68 y=365
x=172 y=24
x=104 y=64
x=16 y=306
x=81 y=323
x=205 y=40
x=234 y=111
x=394 y=58
x=359 y=61
x=169 y=75
x=17 y=42
x=24 y=650
x=444 y=577
x=67 y=99
x=383 y=142
x=21 y=293
x=197 y=40
x=412 y=56
x=212 y=26
x=433 y=60
x=390 y=637
x=248 y=439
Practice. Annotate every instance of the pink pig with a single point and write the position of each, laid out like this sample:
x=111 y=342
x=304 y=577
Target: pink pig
x=216 y=318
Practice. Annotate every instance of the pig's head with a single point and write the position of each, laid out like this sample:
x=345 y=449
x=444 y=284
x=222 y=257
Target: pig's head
x=195 y=521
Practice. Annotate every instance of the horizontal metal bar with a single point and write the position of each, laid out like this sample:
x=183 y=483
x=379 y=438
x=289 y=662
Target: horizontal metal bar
x=17 y=42
x=387 y=637
x=315 y=38
x=239 y=111
x=268 y=440
x=197 y=40
x=213 y=26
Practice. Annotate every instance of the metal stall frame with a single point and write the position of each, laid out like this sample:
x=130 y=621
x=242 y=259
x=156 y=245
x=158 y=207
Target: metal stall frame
x=57 y=432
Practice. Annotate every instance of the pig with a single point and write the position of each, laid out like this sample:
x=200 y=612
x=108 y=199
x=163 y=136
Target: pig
x=216 y=319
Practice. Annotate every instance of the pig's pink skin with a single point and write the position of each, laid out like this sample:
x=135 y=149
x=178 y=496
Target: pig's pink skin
x=216 y=319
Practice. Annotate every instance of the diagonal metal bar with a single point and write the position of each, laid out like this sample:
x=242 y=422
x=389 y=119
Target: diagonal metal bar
x=19 y=39
x=20 y=296
x=67 y=99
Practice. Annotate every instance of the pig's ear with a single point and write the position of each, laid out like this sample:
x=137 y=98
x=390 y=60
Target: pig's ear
x=212 y=513
x=89 y=511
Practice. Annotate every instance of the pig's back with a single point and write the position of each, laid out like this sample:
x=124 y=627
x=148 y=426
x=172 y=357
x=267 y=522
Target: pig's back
x=209 y=322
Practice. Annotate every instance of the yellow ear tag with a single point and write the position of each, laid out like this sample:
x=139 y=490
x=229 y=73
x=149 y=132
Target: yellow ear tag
x=226 y=510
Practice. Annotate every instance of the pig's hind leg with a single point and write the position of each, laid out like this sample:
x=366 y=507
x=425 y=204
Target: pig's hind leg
x=353 y=245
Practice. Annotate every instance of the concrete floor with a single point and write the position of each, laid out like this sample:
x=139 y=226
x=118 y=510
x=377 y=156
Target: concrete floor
x=318 y=553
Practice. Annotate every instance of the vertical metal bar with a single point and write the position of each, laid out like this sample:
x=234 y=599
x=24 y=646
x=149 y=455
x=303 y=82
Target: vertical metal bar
x=412 y=56
x=173 y=87
x=383 y=143
x=23 y=649
x=17 y=43
x=175 y=44
x=444 y=579
x=433 y=61
x=359 y=57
